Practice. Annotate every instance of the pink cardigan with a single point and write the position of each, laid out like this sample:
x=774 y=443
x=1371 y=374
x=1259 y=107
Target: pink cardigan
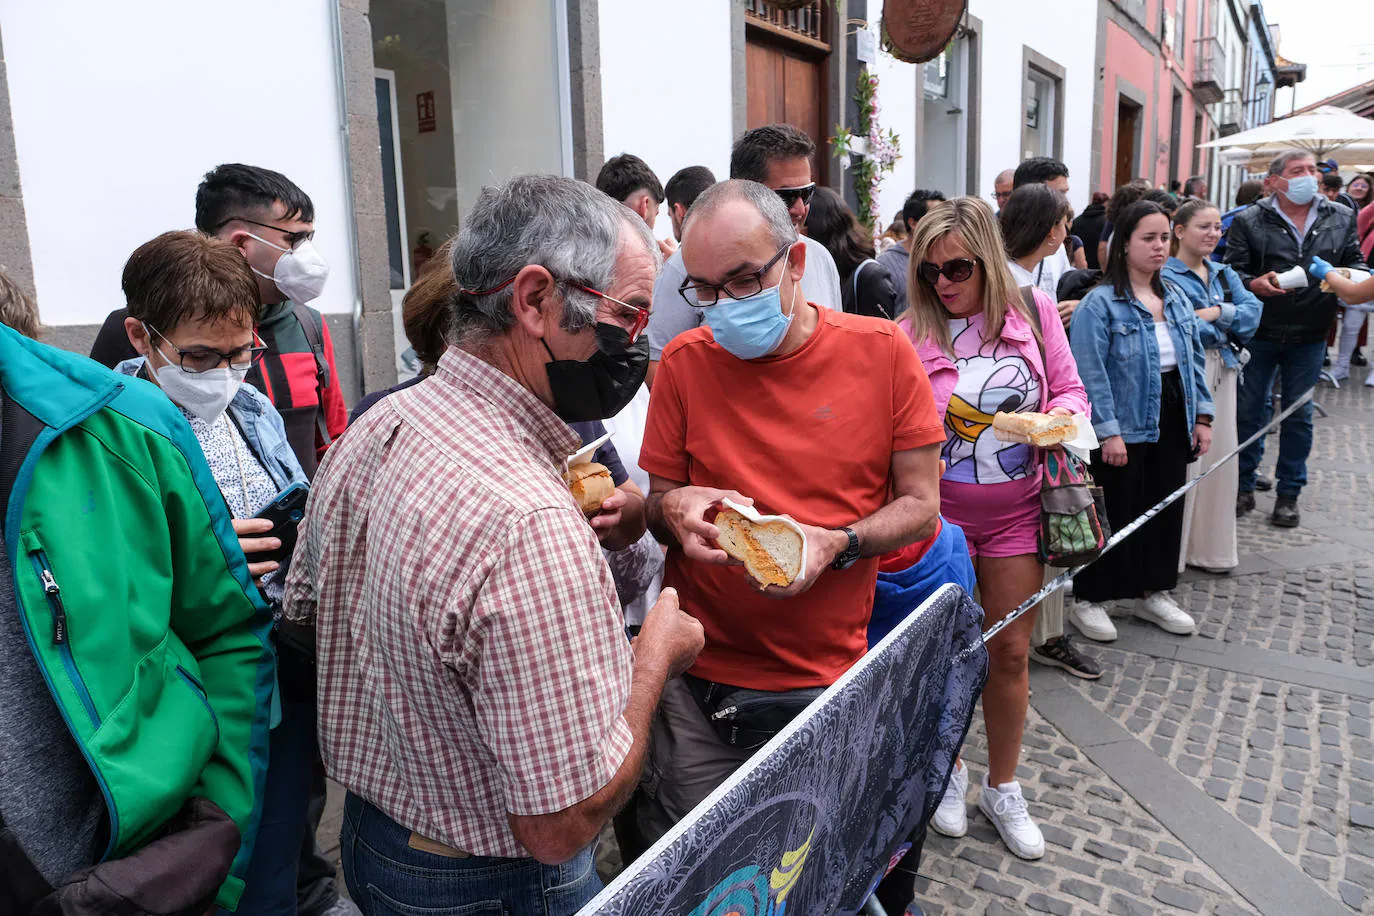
x=1062 y=387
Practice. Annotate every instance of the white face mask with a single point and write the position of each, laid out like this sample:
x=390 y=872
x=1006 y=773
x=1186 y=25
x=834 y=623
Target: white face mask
x=300 y=272
x=205 y=394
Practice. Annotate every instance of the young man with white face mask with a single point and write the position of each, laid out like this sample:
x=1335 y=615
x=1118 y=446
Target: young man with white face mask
x=272 y=221
x=192 y=303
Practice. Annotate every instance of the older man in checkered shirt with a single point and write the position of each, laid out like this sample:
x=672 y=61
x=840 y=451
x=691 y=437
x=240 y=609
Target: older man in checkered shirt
x=478 y=696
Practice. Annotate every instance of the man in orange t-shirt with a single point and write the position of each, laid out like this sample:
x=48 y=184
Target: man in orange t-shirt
x=803 y=411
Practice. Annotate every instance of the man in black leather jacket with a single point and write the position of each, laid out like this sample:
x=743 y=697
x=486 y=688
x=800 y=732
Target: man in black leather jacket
x=1282 y=231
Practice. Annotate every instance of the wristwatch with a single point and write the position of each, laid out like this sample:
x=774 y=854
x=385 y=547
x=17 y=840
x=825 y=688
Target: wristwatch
x=850 y=555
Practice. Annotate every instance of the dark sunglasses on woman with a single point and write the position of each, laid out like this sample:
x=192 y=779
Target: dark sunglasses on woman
x=956 y=271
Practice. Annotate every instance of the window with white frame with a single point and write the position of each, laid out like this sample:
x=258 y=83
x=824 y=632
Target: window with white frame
x=1040 y=131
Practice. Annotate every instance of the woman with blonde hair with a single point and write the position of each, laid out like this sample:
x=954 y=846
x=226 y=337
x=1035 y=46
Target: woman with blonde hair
x=987 y=347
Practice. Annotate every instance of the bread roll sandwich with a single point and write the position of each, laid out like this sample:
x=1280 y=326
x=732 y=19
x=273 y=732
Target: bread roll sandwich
x=770 y=551
x=1350 y=273
x=1039 y=429
x=590 y=483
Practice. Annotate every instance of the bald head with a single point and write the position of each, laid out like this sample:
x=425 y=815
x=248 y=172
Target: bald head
x=736 y=227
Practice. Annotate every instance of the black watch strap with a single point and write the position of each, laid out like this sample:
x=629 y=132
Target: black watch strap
x=850 y=555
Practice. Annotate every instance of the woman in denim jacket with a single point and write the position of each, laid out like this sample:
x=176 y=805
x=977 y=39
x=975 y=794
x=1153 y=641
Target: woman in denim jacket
x=1141 y=359
x=1227 y=314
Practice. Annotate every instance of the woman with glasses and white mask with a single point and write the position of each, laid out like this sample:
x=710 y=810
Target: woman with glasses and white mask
x=986 y=351
x=192 y=302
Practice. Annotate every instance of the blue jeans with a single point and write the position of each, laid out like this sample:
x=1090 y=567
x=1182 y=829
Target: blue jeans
x=1298 y=367
x=270 y=885
x=386 y=876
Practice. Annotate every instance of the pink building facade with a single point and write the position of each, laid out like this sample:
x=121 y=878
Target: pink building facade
x=1159 y=69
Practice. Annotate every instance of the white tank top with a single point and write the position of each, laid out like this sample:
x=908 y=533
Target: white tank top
x=1168 y=359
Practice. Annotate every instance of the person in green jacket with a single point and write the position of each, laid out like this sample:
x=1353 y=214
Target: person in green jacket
x=136 y=672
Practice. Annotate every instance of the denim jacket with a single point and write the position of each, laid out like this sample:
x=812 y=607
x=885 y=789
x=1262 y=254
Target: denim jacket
x=1113 y=340
x=262 y=429
x=1240 y=308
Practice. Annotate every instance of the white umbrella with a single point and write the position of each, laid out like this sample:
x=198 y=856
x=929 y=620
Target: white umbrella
x=1323 y=131
x=1355 y=157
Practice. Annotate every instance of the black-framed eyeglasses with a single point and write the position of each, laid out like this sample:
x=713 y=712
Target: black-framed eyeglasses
x=1001 y=196
x=292 y=238
x=792 y=195
x=705 y=295
x=956 y=270
x=634 y=318
x=195 y=360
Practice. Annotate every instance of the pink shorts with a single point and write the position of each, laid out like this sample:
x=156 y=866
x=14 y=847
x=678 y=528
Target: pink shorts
x=999 y=519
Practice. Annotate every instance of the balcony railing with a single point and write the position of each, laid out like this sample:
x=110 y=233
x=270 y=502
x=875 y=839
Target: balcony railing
x=1209 y=64
x=806 y=21
x=1230 y=113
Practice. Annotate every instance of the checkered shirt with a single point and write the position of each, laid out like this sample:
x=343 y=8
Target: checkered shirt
x=472 y=660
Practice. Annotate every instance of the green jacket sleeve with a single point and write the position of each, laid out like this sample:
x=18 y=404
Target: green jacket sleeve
x=218 y=614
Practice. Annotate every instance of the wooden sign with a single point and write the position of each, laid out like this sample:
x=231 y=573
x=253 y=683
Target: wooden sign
x=918 y=30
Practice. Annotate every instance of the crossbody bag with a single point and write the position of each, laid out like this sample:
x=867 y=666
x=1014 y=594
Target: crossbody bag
x=1073 y=510
x=747 y=718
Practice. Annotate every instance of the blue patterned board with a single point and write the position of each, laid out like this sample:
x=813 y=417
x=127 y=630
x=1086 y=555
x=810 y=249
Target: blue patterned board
x=816 y=818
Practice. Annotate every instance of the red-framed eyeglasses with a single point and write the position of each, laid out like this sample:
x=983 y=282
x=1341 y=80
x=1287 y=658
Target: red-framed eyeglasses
x=638 y=316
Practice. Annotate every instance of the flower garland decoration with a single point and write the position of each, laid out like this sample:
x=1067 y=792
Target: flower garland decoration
x=875 y=150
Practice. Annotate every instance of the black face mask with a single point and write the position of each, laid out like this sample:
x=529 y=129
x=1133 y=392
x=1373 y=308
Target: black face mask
x=600 y=386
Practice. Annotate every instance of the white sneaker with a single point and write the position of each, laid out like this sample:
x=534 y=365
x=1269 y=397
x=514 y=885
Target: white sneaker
x=951 y=818
x=1092 y=621
x=1160 y=610
x=1369 y=379
x=1006 y=808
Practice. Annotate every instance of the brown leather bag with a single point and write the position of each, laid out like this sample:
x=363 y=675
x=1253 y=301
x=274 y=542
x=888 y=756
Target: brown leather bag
x=177 y=874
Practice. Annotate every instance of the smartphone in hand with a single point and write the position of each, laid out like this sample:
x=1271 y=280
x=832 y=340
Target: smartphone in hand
x=285 y=512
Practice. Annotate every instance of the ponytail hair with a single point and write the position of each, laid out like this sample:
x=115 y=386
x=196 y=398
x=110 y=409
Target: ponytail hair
x=1184 y=215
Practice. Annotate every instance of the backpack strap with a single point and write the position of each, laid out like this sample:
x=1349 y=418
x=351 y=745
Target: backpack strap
x=312 y=324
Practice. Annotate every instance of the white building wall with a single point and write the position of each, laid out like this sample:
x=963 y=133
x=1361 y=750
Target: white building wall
x=120 y=110
x=1067 y=36
x=666 y=90
x=898 y=99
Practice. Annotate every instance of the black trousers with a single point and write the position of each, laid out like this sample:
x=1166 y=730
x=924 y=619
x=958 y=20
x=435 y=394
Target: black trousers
x=1147 y=561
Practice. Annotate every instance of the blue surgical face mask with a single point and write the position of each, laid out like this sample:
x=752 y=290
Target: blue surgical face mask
x=1302 y=190
x=751 y=328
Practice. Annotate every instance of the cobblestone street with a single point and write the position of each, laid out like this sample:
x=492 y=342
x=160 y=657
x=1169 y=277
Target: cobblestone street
x=1229 y=772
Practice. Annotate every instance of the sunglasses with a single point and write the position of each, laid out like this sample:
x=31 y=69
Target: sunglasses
x=792 y=195
x=956 y=271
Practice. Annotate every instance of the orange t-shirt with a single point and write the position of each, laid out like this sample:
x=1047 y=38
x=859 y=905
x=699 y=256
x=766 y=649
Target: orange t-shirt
x=810 y=435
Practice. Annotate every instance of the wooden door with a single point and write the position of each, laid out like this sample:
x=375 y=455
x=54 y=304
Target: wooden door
x=1127 y=126
x=786 y=60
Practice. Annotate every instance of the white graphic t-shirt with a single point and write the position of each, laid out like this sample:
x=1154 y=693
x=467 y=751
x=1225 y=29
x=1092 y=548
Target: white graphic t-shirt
x=992 y=377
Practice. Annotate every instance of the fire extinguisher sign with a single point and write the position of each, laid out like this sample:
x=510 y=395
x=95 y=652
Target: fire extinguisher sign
x=424 y=108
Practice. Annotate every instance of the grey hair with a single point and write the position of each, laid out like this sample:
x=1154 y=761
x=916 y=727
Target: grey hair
x=764 y=199
x=1280 y=162
x=565 y=226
